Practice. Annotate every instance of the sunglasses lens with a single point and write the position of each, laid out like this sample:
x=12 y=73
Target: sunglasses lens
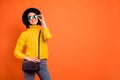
x=35 y=16
x=30 y=17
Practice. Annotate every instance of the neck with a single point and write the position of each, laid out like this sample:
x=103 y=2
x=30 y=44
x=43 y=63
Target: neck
x=32 y=26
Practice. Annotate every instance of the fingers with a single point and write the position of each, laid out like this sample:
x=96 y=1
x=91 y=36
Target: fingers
x=32 y=59
x=35 y=60
x=40 y=17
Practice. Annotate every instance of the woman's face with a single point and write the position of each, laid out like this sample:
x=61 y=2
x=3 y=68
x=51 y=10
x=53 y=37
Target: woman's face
x=32 y=18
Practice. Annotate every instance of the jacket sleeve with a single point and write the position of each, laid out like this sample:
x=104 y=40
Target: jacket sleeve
x=18 y=53
x=46 y=34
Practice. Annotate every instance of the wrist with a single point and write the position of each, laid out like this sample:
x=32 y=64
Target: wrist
x=26 y=58
x=44 y=25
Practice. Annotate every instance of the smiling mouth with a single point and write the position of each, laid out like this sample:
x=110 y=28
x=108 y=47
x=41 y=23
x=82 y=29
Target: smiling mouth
x=34 y=21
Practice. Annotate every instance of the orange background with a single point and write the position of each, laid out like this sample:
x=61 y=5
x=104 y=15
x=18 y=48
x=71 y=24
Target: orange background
x=85 y=43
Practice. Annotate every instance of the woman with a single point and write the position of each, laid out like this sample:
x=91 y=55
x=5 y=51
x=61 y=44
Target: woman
x=33 y=20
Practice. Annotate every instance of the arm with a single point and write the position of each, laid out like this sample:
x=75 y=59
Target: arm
x=19 y=47
x=46 y=33
x=18 y=53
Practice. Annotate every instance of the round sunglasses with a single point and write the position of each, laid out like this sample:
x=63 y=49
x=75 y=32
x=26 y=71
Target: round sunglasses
x=31 y=17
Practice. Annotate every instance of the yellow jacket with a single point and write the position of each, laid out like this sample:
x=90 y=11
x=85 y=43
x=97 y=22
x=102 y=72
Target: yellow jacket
x=29 y=40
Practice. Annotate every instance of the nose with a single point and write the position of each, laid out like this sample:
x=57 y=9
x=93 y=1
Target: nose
x=33 y=18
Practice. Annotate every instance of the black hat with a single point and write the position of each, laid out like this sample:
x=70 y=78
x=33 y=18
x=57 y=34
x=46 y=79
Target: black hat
x=25 y=16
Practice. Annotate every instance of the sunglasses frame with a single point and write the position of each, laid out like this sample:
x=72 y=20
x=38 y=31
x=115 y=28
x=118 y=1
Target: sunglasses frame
x=31 y=17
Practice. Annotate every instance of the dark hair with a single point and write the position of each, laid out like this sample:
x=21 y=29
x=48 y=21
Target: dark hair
x=25 y=16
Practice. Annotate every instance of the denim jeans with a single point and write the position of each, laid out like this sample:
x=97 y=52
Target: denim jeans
x=43 y=74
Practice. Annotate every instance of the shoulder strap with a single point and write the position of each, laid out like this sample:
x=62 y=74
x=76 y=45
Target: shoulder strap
x=39 y=45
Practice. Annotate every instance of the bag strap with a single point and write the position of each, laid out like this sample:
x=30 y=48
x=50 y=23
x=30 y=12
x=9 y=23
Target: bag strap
x=39 y=45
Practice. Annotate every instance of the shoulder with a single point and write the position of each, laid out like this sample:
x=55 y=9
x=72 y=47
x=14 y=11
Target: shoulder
x=23 y=35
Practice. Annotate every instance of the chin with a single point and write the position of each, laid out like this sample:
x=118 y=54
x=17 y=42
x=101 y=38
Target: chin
x=34 y=24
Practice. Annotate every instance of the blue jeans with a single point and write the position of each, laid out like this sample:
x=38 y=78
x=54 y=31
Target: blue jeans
x=43 y=74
